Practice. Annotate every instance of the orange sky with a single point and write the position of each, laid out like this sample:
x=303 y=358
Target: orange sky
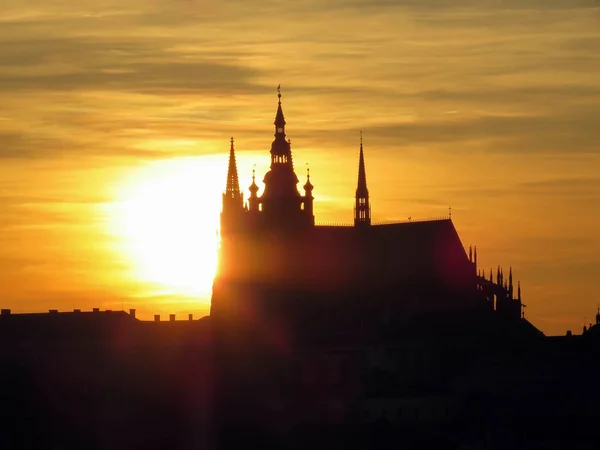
x=490 y=107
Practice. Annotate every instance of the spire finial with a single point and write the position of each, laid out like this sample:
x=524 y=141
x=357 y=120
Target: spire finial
x=279 y=92
x=450 y=212
x=361 y=139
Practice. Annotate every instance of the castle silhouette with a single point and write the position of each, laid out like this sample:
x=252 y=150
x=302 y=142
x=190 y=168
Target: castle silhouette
x=277 y=265
x=359 y=337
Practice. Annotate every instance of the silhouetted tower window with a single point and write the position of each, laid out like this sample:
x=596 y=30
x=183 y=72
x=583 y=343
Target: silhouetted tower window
x=362 y=209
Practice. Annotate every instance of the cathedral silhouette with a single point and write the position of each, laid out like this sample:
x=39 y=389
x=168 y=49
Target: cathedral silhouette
x=329 y=337
x=276 y=265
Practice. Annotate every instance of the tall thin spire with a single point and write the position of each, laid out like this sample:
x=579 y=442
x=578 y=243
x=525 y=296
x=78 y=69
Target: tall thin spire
x=279 y=118
x=362 y=209
x=232 y=189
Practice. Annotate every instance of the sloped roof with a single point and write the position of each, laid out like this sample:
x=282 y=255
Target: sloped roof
x=329 y=258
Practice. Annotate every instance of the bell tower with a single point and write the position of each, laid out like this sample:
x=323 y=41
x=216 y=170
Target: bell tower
x=281 y=203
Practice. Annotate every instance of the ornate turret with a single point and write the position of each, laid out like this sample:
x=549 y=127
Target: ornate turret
x=281 y=202
x=362 y=208
x=308 y=197
x=253 y=200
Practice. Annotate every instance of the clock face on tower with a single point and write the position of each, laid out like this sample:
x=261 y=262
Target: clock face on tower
x=279 y=130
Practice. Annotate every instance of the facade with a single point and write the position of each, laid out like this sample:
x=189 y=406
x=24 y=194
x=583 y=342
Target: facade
x=277 y=265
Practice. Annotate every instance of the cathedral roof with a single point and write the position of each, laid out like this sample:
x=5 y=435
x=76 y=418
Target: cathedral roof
x=397 y=250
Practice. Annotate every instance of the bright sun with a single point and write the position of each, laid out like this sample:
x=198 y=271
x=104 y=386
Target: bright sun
x=168 y=218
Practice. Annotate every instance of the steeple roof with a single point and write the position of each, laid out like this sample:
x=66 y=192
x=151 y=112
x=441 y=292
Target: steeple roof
x=361 y=189
x=279 y=118
x=232 y=190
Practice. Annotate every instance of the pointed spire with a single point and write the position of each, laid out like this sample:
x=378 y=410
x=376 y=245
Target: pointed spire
x=510 y=281
x=362 y=210
x=519 y=290
x=475 y=256
x=232 y=190
x=470 y=253
x=491 y=275
x=279 y=118
x=362 y=173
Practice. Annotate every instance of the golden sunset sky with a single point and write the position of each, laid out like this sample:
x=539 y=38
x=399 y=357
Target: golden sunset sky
x=115 y=119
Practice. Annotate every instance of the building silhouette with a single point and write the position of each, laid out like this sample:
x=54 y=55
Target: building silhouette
x=277 y=265
x=368 y=336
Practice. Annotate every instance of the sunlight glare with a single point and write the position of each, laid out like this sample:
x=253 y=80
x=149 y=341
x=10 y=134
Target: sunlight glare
x=168 y=217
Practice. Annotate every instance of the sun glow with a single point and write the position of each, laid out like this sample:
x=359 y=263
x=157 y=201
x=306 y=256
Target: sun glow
x=167 y=218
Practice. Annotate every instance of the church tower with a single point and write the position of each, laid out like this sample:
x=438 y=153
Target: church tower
x=233 y=201
x=362 y=208
x=281 y=204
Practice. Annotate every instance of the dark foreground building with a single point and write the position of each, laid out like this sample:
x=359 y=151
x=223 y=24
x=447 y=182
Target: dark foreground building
x=367 y=336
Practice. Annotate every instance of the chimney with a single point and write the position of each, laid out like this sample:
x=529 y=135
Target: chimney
x=157 y=317
x=132 y=313
x=53 y=311
x=5 y=312
x=96 y=310
x=190 y=316
x=172 y=317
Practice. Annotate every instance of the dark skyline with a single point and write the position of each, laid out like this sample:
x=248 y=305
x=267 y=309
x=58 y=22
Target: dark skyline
x=487 y=108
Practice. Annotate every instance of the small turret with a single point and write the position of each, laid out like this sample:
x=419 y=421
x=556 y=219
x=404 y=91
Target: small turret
x=308 y=197
x=253 y=200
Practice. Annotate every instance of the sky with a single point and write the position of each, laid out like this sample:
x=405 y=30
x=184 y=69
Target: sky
x=115 y=120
